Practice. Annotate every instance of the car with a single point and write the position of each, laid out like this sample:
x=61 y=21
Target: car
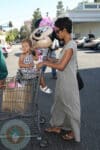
x=92 y=44
x=6 y=49
x=80 y=41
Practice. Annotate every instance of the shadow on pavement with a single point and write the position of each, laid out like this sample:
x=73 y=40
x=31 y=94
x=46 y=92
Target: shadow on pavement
x=89 y=50
x=17 y=54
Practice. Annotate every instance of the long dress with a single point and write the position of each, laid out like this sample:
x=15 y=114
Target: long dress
x=65 y=111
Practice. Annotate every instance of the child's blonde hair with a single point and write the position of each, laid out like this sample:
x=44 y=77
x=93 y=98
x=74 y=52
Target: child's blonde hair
x=30 y=44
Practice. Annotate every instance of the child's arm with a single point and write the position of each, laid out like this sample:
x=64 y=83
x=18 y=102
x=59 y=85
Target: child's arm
x=22 y=65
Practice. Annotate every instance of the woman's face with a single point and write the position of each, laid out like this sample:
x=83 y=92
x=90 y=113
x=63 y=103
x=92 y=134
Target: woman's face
x=59 y=33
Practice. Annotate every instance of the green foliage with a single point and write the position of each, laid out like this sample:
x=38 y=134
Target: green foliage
x=60 y=9
x=16 y=33
x=24 y=32
x=36 y=16
x=12 y=35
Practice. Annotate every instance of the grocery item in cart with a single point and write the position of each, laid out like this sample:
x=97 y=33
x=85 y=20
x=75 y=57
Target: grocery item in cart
x=16 y=98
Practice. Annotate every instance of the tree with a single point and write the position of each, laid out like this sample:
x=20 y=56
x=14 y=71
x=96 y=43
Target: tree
x=10 y=24
x=16 y=34
x=12 y=35
x=24 y=32
x=60 y=9
x=36 y=15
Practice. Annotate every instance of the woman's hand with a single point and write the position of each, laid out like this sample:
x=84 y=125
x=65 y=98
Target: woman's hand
x=39 y=65
x=44 y=63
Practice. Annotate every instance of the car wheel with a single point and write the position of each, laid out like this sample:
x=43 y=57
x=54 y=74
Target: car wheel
x=98 y=46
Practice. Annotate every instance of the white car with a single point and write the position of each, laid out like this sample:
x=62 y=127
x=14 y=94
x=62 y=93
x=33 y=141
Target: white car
x=80 y=41
x=92 y=44
x=6 y=49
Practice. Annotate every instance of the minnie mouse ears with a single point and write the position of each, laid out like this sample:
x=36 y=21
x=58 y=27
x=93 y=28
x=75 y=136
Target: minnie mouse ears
x=41 y=32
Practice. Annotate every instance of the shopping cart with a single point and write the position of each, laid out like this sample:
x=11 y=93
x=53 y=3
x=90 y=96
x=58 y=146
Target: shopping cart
x=20 y=117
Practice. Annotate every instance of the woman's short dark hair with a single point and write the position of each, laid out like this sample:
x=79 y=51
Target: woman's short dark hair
x=64 y=22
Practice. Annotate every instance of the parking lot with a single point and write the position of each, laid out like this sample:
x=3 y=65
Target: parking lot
x=89 y=67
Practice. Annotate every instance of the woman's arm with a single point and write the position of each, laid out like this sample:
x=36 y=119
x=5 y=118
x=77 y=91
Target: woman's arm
x=61 y=64
x=53 y=60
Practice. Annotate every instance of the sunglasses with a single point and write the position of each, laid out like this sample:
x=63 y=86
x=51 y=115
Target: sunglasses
x=57 y=31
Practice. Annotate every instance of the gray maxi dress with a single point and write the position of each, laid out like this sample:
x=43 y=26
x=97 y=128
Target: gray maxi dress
x=65 y=111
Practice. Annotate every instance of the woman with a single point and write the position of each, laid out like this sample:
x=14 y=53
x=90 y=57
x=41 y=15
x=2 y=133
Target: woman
x=65 y=112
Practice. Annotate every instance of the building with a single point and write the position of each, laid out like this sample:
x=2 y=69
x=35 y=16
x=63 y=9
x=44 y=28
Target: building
x=86 y=19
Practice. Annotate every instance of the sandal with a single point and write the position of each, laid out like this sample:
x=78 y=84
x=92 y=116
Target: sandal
x=53 y=130
x=68 y=136
x=46 y=90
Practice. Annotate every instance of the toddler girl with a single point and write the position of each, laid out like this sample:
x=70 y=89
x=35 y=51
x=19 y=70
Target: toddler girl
x=26 y=63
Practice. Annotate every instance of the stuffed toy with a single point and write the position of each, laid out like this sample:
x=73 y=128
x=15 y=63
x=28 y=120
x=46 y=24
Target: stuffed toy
x=41 y=36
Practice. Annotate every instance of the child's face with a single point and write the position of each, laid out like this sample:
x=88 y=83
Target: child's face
x=25 y=47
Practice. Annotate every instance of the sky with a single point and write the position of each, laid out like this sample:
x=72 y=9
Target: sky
x=18 y=11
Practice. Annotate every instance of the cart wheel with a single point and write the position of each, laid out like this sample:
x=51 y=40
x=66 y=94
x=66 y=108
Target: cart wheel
x=44 y=143
x=15 y=134
x=42 y=120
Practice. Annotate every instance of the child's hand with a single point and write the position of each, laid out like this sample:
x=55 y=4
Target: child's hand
x=2 y=85
x=30 y=65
